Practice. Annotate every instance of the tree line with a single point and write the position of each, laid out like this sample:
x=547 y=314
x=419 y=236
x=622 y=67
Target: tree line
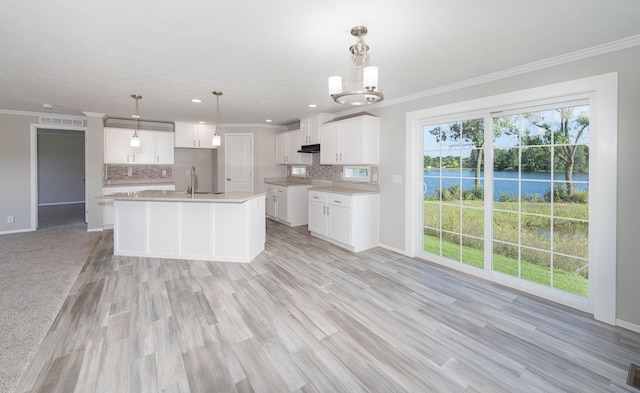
x=545 y=140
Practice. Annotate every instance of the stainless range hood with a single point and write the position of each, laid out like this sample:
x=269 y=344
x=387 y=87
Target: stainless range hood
x=309 y=149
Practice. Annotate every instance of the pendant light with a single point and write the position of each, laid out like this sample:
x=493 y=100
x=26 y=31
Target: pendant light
x=362 y=87
x=215 y=141
x=135 y=140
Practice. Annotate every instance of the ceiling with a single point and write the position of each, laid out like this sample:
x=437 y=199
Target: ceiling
x=271 y=59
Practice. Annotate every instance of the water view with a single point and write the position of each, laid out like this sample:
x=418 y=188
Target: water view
x=505 y=182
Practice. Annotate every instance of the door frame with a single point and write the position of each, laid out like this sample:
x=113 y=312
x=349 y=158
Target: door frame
x=603 y=93
x=226 y=161
x=34 y=167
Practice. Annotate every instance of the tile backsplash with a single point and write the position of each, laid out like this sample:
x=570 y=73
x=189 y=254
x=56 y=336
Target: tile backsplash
x=333 y=173
x=138 y=172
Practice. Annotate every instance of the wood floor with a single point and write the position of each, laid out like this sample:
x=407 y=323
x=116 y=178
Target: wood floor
x=306 y=316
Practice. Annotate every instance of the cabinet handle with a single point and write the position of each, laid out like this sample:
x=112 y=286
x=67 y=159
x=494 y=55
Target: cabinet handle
x=134 y=157
x=194 y=143
x=340 y=157
x=337 y=157
x=127 y=158
x=198 y=143
x=158 y=158
x=324 y=210
x=337 y=201
x=327 y=210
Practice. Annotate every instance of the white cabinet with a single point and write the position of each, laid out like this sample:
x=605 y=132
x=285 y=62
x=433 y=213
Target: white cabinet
x=349 y=221
x=271 y=202
x=194 y=135
x=310 y=128
x=287 y=146
x=287 y=205
x=156 y=147
x=107 y=204
x=282 y=206
x=353 y=141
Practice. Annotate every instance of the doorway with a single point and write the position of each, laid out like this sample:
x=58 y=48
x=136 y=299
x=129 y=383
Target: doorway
x=58 y=177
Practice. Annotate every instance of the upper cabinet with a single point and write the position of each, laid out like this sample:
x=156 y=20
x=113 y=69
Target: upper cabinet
x=194 y=135
x=156 y=147
x=310 y=128
x=353 y=141
x=287 y=146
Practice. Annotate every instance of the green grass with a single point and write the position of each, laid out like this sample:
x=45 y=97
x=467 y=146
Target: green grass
x=562 y=279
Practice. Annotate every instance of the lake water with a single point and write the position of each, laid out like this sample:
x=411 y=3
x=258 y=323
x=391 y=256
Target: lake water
x=504 y=182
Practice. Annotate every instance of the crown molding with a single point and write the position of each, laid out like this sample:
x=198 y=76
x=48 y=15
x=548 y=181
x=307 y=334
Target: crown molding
x=40 y=114
x=582 y=54
x=252 y=125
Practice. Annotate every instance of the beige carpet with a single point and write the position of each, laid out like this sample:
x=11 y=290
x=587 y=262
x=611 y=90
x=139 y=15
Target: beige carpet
x=37 y=271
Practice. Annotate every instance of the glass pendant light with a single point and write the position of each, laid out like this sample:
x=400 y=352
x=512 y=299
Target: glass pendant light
x=135 y=140
x=215 y=140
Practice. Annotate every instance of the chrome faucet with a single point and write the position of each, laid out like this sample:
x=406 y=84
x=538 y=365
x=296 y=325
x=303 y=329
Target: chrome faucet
x=192 y=186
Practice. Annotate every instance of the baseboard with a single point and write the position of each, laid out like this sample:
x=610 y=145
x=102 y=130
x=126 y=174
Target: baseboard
x=628 y=325
x=16 y=231
x=394 y=249
x=95 y=230
x=60 y=203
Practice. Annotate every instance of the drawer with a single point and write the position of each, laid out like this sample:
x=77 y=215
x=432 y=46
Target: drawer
x=339 y=200
x=271 y=188
x=320 y=197
x=282 y=191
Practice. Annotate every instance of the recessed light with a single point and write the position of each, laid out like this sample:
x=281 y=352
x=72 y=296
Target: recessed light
x=313 y=106
x=196 y=100
x=48 y=106
x=268 y=120
x=202 y=122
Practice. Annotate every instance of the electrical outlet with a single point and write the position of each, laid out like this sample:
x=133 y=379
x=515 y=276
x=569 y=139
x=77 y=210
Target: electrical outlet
x=164 y=172
x=129 y=172
x=10 y=219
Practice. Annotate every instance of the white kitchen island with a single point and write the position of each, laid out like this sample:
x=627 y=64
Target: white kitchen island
x=228 y=227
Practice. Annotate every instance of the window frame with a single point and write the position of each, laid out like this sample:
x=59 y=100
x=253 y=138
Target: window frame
x=602 y=93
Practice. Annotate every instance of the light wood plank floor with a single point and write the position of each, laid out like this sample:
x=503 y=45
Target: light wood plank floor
x=306 y=316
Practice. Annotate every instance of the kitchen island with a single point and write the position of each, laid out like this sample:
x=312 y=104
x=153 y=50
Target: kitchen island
x=227 y=227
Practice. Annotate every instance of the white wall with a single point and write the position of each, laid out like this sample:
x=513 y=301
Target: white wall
x=60 y=166
x=203 y=160
x=15 y=167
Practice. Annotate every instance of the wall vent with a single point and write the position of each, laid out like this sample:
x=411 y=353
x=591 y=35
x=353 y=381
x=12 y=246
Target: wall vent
x=62 y=121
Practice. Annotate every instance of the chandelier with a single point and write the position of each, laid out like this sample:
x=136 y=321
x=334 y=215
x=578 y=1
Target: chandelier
x=135 y=140
x=215 y=141
x=362 y=86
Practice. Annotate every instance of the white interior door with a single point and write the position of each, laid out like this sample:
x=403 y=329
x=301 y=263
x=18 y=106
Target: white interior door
x=238 y=162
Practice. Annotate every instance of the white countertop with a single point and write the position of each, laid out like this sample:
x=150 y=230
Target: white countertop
x=182 y=196
x=287 y=183
x=344 y=190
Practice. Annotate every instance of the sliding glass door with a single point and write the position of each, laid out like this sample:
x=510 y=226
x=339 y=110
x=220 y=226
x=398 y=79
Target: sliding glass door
x=532 y=223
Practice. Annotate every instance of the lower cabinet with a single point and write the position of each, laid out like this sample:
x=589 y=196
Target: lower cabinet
x=287 y=205
x=349 y=221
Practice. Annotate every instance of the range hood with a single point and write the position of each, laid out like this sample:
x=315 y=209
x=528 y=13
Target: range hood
x=309 y=149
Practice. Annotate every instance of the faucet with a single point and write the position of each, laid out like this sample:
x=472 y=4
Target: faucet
x=192 y=186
